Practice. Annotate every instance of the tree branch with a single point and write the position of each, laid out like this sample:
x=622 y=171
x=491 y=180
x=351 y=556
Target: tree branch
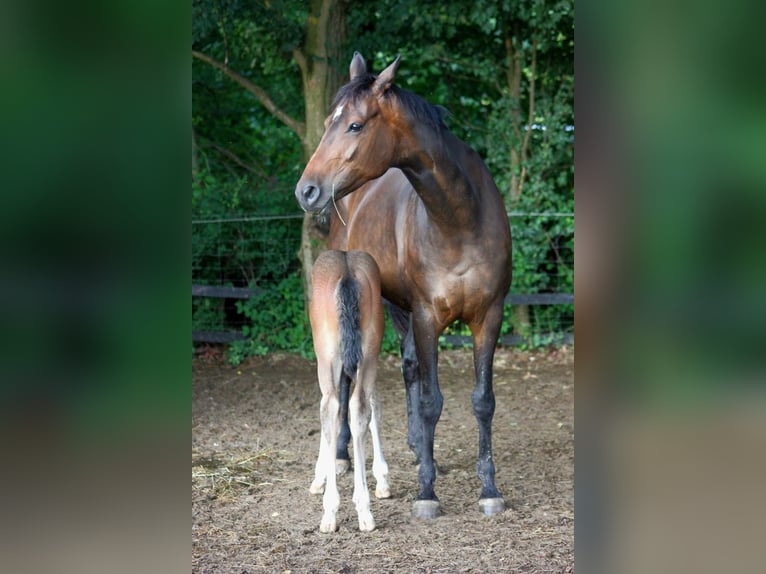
x=300 y=60
x=235 y=158
x=298 y=127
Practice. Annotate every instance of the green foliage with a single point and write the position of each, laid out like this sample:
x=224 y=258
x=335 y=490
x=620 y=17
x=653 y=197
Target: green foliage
x=239 y=252
x=277 y=321
x=248 y=162
x=208 y=314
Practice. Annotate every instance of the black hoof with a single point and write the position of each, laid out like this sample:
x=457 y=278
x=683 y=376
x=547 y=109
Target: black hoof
x=426 y=509
x=490 y=506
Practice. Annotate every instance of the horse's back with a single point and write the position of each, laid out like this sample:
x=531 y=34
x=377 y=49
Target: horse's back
x=387 y=218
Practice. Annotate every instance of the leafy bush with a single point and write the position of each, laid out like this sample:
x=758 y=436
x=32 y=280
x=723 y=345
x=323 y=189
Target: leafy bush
x=277 y=319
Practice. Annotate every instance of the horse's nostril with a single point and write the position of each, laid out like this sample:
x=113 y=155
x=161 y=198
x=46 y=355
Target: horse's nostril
x=310 y=194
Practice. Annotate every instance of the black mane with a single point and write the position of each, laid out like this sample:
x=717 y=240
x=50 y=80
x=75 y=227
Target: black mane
x=419 y=108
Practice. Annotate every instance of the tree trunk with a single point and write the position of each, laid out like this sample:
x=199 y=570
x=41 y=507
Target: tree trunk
x=519 y=148
x=322 y=67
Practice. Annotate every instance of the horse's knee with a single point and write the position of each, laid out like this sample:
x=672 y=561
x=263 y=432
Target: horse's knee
x=409 y=369
x=431 y=406
x=483 y=403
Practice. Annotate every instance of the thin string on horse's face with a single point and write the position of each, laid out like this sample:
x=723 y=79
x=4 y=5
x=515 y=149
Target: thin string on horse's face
x=335 y=205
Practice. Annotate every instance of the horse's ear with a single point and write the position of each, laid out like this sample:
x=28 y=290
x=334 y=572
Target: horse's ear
x=358 y=66
x=385 y=78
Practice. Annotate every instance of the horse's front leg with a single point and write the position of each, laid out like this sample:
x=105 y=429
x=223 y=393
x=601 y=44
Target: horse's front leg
x=483 y=398
x=430 y=409
x=411 y=376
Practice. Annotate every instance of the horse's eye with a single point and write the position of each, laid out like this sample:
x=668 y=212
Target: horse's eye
x=355 y=127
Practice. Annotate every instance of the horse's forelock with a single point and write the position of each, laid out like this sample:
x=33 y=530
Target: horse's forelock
x=422 y=110
x=354 y=90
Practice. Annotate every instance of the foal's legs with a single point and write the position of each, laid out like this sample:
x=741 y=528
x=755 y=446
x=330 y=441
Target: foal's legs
x=341 y=465
x=329 y=412
x=317 y=486
x=359 y=418
x=379 y=465
x=483 y=398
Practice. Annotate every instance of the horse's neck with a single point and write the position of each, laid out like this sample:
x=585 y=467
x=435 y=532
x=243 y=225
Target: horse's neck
x=436 y=168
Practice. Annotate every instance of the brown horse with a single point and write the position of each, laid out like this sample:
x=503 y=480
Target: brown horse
x=347 y=326
x=424 y=205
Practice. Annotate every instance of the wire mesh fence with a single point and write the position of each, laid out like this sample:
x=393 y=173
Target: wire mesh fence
x=237 y=258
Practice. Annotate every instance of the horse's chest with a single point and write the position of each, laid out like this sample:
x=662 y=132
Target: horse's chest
x=451 y=295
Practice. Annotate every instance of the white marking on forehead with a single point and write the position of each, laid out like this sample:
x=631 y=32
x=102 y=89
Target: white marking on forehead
x=338 y=112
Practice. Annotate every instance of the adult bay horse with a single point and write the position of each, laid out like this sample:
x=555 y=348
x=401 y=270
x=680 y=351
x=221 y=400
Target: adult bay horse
x=419 y=200
x=346 y=315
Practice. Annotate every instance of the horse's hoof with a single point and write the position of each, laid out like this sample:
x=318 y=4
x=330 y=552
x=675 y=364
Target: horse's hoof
x=342 y=465
x=316 y=487
x=382 y=492
x=366 y=522
x=426 y=509
x=490 y=506
x=328 y=525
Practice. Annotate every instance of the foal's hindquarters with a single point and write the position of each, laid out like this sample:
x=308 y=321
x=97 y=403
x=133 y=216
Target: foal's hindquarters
x=347 y=326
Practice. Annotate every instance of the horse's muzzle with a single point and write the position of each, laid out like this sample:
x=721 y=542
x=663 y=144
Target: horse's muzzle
x=308 y=196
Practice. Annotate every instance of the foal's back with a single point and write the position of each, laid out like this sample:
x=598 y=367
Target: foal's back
x=330 y=269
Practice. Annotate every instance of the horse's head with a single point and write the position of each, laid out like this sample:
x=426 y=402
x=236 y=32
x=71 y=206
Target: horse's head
x=359 y=142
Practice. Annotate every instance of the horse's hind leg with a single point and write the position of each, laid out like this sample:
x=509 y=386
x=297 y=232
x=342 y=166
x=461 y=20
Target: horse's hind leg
x=320 y=472
x=402 y=322
x=359 y=418
x=483 y=398
x=412 y=392
x=330 y=416
x=379 y=465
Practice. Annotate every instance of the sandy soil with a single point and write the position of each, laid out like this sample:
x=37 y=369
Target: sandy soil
x=254 y=444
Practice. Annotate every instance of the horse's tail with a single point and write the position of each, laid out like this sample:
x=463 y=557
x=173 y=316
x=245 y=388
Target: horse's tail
x=349 y=320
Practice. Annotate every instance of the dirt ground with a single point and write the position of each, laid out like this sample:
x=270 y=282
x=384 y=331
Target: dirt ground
x=255 y=438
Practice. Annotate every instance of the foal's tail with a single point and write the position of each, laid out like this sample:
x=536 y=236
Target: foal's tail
x=350 y=327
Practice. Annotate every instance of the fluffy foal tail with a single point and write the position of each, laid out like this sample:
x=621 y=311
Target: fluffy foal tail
x=350 y=332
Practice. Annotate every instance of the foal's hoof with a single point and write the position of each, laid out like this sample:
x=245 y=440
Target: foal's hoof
x=316 y=487
x=426 y=509
x=328 y=525
x=366 y=522
x=342 y=465
x=490 y=506
x=382 y=492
